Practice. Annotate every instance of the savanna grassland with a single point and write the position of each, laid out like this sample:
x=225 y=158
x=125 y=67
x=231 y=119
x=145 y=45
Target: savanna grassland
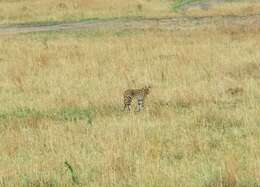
x=61 y=122
x=49 y=11
x=61 y=101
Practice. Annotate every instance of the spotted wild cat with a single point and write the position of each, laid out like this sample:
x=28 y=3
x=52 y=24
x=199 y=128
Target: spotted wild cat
x=138 y=94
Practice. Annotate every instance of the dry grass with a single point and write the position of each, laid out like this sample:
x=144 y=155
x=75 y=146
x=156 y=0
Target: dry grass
x=67 y=10
x=61 y=100
x=17 y=11
x=222 y=7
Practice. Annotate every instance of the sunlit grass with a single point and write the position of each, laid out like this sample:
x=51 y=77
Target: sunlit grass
x=61 y=102
x=51 y=11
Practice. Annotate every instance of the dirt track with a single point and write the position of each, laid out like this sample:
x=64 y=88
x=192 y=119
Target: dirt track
x=171 y=23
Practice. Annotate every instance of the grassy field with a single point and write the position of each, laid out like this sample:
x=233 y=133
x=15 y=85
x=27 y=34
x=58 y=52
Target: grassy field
x=28 y=11
x=61 y=122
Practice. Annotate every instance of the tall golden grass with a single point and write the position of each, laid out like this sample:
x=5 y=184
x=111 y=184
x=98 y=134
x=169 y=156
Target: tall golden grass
x=21 y=11
x=200 y=126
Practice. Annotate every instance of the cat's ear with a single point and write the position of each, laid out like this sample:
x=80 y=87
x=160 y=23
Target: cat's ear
x=149 y=86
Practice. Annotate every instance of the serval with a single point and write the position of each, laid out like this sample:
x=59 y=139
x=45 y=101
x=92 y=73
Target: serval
x=138 y=94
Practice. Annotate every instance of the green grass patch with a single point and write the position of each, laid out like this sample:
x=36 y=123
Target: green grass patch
x=63 y=114
x=180 y=3
x=73 y=114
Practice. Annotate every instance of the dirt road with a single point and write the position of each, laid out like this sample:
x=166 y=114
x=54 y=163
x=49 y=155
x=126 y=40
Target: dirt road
x=170 y=23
